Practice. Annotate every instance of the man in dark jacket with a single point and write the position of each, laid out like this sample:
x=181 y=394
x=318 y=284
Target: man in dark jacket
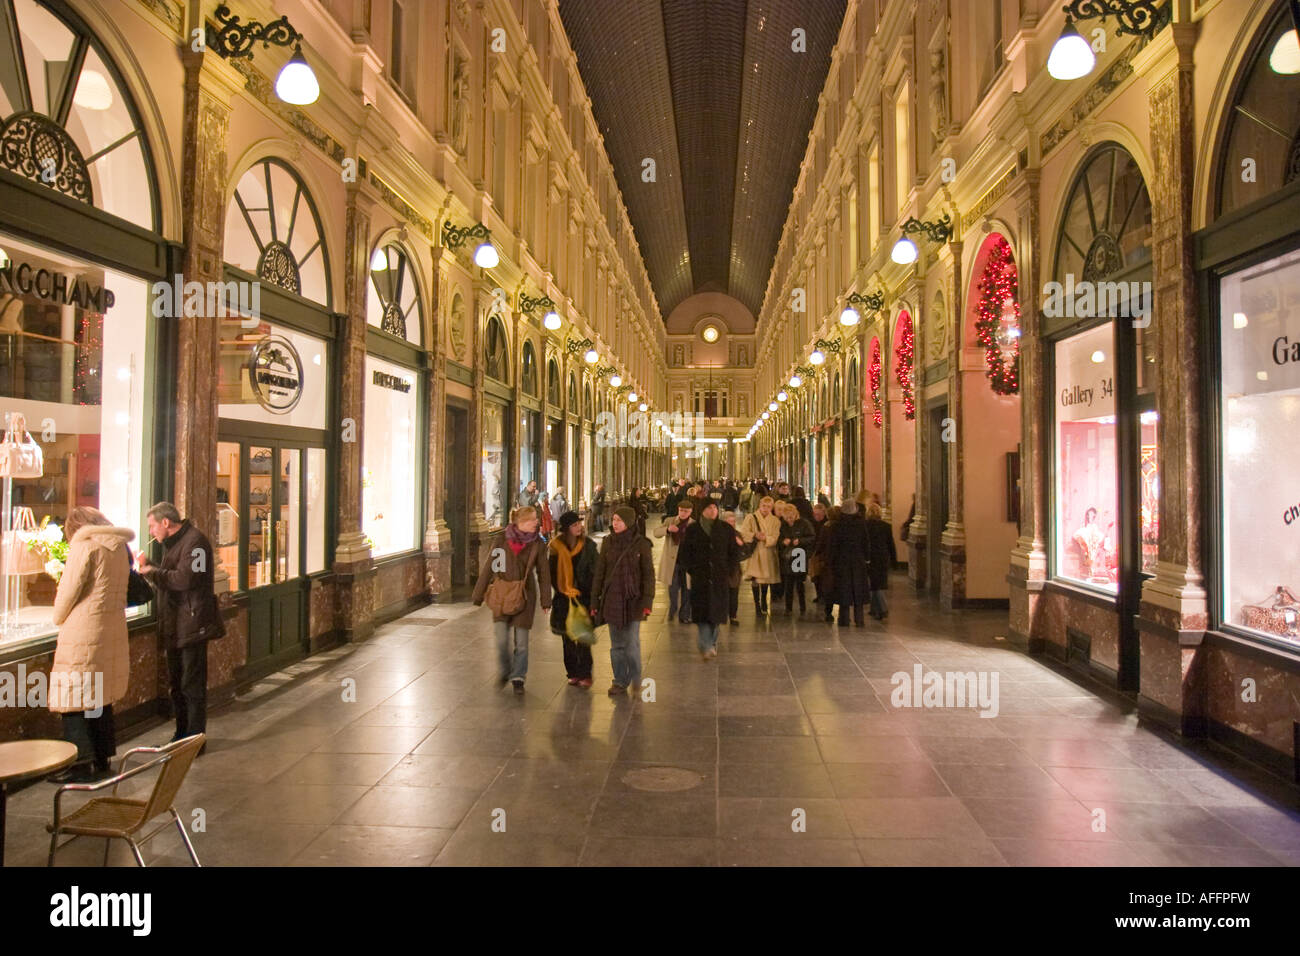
x=848 y=556
x=710 y=550
x=188 y=615
x=597 y=509
x=800 y=501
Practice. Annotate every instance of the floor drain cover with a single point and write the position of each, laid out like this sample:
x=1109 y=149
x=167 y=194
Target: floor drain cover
x=662 y=779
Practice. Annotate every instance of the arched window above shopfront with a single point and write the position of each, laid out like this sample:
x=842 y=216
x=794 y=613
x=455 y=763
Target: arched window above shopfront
x=393 y=295
x=574 y=407
x=853 y=397
x=552 y=382
x=528 y=370
x=65 y=113
x=587 y=408
x=1261 y=148
x=274 y=233
x=496 y=355
x=1106 y=227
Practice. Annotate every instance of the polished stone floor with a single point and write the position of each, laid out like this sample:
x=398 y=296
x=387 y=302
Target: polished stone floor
x=784 y=751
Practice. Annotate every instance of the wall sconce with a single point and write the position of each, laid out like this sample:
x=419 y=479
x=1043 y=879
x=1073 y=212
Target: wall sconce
x=1072 y=55
x=872 y=303
x=296 y=83
x=454 y=237
x=905 y=251
x=590 y=356
x=527 y=304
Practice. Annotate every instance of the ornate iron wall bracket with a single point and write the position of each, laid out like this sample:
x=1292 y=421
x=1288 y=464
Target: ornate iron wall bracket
x=604 y=371
x=872 y=302
x=938 y=231
x=233 y=39
x=527 y=303
x=573 y=346
x=829 y=345
x=453 y=236
x=1134 y=17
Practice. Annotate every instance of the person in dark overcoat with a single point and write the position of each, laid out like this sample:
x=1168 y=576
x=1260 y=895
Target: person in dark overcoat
x=573 y=568
x=711 y=549
x=880 y=558
x=823 y=574
x=848 y=553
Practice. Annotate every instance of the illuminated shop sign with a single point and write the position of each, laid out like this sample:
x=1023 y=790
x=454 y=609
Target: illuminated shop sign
x=275 y=372
x=21 y=278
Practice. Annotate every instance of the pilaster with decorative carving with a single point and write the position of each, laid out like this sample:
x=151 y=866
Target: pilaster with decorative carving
x=952 y=544
x=438 y=547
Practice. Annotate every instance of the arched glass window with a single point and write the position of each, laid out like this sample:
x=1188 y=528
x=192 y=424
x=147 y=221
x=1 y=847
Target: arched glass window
x=393 y=295
x=853 y=397
x=1263 y=124
x=587 y=408
x=496 y=362
x=552 y=382
x=837 y=396
x=529 y=371
x=1106 y=228
x=273 y=232
x=65 y=112
x=574 y=407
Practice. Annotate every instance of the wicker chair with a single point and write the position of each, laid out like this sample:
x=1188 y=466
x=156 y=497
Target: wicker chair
x=117 y=818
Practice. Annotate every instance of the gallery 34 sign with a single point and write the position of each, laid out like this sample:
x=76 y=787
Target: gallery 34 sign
x=275 y=373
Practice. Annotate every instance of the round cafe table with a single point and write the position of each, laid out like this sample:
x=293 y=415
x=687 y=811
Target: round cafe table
x=24 y=759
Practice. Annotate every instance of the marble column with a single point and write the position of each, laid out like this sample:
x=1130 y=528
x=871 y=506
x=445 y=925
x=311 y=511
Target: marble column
x=1172 y=617
x=353 y=564
x=210 y=84
x=1028 y=569
x=952 y=544
x=438 y=547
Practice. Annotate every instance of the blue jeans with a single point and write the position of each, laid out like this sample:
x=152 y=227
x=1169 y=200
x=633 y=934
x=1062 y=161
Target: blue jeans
x=513 y=666
x=708 y=636
x=625 y=653
x=879 y=606
x=679 y=595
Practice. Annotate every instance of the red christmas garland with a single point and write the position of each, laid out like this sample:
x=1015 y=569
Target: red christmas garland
x=904 y=359
x=998 y=284
x=874 y=374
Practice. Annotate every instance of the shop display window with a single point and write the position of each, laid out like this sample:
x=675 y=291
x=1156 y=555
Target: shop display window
x=391 y=473
x=75 y=347
x=495 y=502
x=1086 y=468
x=272 y=375
x=1260 y=414
x=317 y=482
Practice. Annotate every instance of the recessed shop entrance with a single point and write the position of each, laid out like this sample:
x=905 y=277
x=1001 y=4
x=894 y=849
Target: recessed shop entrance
x=271 y=530
x=937 y=510
x=455 y=507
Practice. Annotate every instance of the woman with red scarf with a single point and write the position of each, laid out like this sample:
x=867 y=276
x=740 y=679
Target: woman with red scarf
x=520 y=554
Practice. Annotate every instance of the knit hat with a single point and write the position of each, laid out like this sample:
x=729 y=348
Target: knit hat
x=627 y=514
x=849 y=507
x=567 y=519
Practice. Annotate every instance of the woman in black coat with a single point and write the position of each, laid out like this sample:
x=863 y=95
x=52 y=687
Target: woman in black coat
x=848 y=549
x=796 y=548
x=710 y=551
x=880 y=558
x=568 y=537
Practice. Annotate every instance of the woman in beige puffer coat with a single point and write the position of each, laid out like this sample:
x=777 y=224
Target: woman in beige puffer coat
x=763 y=568
x=92 y=658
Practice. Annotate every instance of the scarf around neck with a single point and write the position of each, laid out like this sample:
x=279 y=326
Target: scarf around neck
x=517 y=539
x=564 y=582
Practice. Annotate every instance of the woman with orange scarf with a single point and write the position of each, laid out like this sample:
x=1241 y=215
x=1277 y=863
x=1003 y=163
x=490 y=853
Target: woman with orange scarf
x=573 y=566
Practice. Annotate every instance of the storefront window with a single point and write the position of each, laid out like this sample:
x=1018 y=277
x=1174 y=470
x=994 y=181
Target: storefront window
x=1087 y=468
x=392 y=295
x=74 y=362
x=530 y=426
x=1260 y=336
x=316 y=485
x=272 y=375
x=494 y=464
x=390 y=482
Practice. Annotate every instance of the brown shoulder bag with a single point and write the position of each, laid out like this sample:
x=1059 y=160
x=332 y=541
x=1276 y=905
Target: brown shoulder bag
x=508 y=598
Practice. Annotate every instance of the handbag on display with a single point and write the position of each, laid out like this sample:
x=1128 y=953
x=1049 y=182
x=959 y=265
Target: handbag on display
x=1281 y=616
x=260 y=464
x=258 y=496
x=18 y=557
x=20 y=456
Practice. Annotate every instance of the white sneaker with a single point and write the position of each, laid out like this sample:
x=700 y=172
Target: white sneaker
x=711 y=653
